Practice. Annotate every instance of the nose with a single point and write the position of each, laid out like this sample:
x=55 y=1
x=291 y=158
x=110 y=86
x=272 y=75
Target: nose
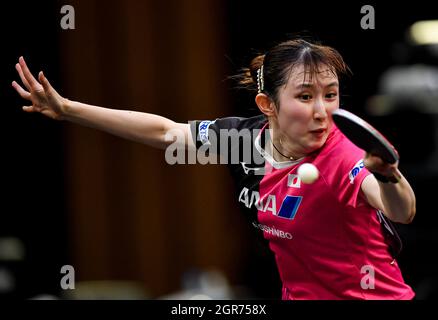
x=319 y=110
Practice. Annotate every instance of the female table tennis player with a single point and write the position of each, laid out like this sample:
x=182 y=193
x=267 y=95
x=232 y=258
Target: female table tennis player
x=327 y=237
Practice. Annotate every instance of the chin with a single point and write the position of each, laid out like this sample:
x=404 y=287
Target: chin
x=316 y=144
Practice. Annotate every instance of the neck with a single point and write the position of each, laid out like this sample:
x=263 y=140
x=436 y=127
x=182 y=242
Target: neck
x=279 y=152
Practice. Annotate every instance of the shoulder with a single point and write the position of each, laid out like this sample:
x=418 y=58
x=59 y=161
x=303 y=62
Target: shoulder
x=230 y=123
x=240 y=122
x=202 y=130
x=346 y=171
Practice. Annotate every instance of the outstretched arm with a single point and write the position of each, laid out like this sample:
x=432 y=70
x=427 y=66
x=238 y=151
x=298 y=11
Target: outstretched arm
x=396 y=200
x=141 y=127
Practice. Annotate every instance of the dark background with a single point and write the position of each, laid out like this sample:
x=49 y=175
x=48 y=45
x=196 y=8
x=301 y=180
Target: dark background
x=52 y=171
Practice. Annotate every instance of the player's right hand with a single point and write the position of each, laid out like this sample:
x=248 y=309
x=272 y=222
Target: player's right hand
x=40 y=93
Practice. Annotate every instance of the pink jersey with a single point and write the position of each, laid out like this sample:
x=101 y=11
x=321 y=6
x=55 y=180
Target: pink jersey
x=328 y=242
x=333 y=246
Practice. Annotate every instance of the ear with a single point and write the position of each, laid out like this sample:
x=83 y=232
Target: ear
x=265 y=104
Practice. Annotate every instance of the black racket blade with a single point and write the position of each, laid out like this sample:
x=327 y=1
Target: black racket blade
x=363 y=135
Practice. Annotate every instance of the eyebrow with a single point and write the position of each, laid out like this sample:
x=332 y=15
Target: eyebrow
x=311 y=85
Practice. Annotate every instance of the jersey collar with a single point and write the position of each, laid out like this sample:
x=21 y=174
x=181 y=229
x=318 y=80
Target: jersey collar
x=259 y=143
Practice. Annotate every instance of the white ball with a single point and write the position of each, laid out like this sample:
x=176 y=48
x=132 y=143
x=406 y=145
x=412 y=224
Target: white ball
x=308 y=173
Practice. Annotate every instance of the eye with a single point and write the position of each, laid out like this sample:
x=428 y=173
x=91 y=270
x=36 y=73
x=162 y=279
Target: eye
x=331 y=95
x=305 y=97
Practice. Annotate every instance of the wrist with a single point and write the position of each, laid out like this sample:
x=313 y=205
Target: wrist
x=66 y=109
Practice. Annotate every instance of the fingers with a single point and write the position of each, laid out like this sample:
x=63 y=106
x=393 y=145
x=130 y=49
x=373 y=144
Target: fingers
x=376 y=164
x=33 y=83
x=380 y=162
x=377 y=160
x=20 y=73
x=23 y=93
x=28 y=108
x=43 y=80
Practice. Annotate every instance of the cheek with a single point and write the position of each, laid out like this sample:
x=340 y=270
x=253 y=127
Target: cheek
x=294 y=117
x=332 y=108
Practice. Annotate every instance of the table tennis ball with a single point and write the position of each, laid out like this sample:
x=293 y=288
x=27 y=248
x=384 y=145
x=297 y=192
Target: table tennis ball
x=308 y=173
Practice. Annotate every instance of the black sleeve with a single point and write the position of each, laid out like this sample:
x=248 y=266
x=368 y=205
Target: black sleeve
x=208 y=131
x=231 y=137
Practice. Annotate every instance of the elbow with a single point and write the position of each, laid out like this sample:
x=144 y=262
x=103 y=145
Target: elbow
x=410 y=218
x=412 y=212
x=403 y=219
x=411 y=215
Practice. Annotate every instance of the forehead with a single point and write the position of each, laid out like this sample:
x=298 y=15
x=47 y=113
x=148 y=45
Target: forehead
x=324 y=75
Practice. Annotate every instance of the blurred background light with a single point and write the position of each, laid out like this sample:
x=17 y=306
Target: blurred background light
x=424 y=32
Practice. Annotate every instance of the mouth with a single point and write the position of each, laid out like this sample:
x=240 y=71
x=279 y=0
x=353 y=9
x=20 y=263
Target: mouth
x=319 y=131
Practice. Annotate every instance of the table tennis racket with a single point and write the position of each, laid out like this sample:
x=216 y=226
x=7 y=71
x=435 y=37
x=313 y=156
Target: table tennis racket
x=365 y=136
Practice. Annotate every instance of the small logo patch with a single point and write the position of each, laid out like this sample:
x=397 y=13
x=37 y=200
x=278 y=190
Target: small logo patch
x=355 y=171
x=203 y=130
x=293 y=181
